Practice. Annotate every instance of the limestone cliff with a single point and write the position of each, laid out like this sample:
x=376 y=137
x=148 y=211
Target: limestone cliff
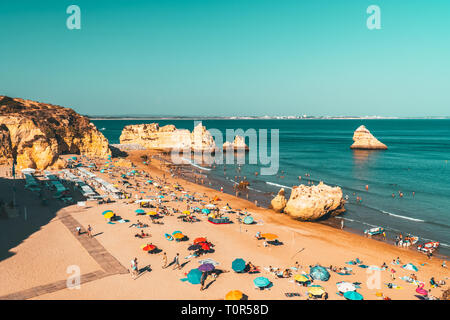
x=6 y=153
x=363 y=139
x=314 y=202
x=40 y=133
x=152 y=136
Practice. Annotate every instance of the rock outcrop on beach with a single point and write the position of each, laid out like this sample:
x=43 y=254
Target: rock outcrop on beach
x=152 y=136
x=310 y=203
x=279 y=202
x=39 y=133
x=237 y=145
x=6 y=153
x=363 y=139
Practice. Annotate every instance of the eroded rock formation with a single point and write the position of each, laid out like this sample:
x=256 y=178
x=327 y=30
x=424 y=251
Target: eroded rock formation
x=279 y=202
x=363 y=139
x=311 y=203
x=152 y=136
x=39 y=133
x=236 y=145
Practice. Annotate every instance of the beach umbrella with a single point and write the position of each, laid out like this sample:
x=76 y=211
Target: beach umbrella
x=149 y=181
x=210 y=205
x=178 y=236
x=206 y=267
x=248 y=220
x=175 y=232
x=152 y=213
x=319 y=273
x=186 y=212
x=149 y=247
x=105 y=212
x=238 y=265
x=234 y=295
x=261 y=282
x=199 y=240
x=161 y=197
x=345 y=286
x=209 y=260
x=194 y=276
x=269 y=236
x=353 y=295
x=411 y=267
x=316 y=291
x=205 y=246
x=206 y=211
x=108 y=215
x=139 y=211
x=301 y=278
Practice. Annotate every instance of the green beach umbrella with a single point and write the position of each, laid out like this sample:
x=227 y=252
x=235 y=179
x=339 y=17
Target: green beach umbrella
x=353 y=295
x=261 y=282
x=238 y=265
x=194 y=276
x=248 y=220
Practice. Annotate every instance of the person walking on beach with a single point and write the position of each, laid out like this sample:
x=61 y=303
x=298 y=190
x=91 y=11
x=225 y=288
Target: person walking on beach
x=342 y=224
x=89 y=231
x=78 y=230
x=134 y=267
x=164 y=259
x=176 y=261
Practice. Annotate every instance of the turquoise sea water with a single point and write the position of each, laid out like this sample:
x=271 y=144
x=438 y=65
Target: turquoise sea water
x=417 y=161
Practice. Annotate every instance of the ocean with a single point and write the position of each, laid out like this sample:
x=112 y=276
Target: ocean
x=416 y=161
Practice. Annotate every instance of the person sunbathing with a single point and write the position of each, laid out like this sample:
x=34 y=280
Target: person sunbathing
x=252 y=268
x=286 y=273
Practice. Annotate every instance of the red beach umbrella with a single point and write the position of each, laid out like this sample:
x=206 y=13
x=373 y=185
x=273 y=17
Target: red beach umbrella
x=199 y=240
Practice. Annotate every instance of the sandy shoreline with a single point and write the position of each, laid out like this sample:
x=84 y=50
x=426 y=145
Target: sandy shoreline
x=307 y=243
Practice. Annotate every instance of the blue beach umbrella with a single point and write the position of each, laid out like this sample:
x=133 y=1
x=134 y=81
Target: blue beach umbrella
x=248 y=220
x=261 y=282
x=238 y=265
x=319 y=273
x=174 y=233
x=206 y=211
x=353 y=295
x=139 y=211
x=194 y=276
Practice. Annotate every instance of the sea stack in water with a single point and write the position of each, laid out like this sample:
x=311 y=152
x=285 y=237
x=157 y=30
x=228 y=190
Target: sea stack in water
x=36 y=134
x=279 y=202
x=309 y=203
x=237 y=145
x=363 y=139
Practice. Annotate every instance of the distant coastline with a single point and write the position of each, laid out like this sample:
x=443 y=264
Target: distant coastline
x=263 y=118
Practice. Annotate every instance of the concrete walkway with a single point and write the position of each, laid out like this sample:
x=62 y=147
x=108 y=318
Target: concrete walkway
x=107 y=262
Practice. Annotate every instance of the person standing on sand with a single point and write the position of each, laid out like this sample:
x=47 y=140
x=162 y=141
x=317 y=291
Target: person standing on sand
x=164 y=259
x=89 y=231
x=78 y=230
x=342 y=224
x=176 y=261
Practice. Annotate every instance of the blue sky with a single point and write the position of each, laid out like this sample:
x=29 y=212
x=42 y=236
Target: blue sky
x=233 y=57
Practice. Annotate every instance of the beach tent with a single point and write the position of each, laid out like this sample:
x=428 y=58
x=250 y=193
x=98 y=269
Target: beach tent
x=319 y=273
x=261 y=282
x=353 y=295
x=206 y=267
x=194 y=276
x=238 y=265
x=411 y=267
x=316 y=291
x=248 y=220
x=345 y=286
x=234 y=295
x=269 y=236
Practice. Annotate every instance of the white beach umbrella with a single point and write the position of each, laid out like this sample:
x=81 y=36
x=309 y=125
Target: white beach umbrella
x=345 y=286
x=209 y=260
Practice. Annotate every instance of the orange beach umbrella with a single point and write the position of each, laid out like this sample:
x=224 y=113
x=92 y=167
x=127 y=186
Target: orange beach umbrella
x=269 y=236
x=234 y=295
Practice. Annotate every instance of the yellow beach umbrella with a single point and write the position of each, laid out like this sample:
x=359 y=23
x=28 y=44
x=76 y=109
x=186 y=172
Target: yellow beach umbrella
x=152 y=213
x=186 y=212
x=108 y=215
x=211 y=215
x=234 y=295
x=300 y=278
x=316 y=291
x=269 y=236
x=178 y=236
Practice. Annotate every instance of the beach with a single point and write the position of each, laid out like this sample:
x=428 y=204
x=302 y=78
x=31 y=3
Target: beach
x=306 y=243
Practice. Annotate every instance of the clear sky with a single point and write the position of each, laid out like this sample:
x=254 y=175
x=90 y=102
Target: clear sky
x=229 y=57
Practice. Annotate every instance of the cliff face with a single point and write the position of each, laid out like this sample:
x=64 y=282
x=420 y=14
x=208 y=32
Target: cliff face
x=363 y=139
x=5 y=145
x=152 y=136
x=312 y=203
x=40 y=133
